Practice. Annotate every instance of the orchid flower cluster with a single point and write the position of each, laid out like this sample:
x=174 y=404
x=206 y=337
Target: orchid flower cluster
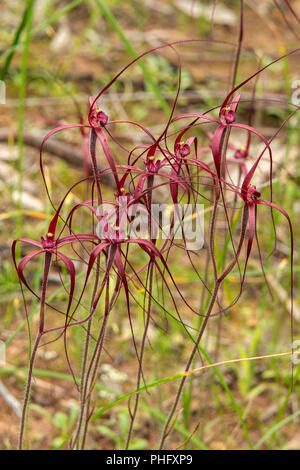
x=174 y=162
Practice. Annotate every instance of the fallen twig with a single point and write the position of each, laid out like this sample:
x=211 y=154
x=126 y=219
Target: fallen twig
x=57 y=148
x=10 y=400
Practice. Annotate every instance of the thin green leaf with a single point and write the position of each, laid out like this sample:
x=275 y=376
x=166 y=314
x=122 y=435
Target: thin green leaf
x=111 y=18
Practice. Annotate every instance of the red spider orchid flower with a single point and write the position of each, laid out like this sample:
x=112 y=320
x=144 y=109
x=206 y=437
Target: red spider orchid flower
x=241 y=153
x=98 y=120
x=181 y=148
x=227 y=116
x=217 y=140
x=116 y=258
x=252 y=198
x=239 y=157
x=151 y=164
x=227 y=112
x=49 y=246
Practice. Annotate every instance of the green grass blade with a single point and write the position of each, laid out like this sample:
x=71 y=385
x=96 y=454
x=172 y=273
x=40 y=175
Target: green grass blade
x=111 y=18
x=138 y=390
x=231 y=397
x=62 y=376
x=223 y=253
x=275 y=428
x=221 y=379
x=56 y=16
x=59 y=291
x=52 y=19
x=15 y=42
x=22 y=96
x=175 y=377
x=186 y=434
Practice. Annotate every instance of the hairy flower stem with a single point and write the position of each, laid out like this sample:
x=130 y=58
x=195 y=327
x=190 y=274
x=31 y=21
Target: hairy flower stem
x=88 y=402
x=218 y=279
x=93 y=142
x=204 y=290
x=167 y=428
x=84 y=386
x=140 y=371
x=239 y=46
x=86 y=353
x=150 y=181
x=47 y=264
x=220 y=319
x=91 y=375
x=28 y=390
x=233 y=83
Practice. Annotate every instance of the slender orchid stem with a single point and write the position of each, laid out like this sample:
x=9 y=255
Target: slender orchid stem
x=167 y=428
x=93 y=142
x=94 y=364
x=217 y=283
x=85 y=384
x=140 y=374
x=86 y=352
x=47 y=264
x=28 y=390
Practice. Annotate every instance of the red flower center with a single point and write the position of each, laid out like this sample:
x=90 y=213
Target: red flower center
x=252 y=193
x=49 y=242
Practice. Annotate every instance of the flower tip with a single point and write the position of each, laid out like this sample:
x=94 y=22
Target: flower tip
x=97 y=118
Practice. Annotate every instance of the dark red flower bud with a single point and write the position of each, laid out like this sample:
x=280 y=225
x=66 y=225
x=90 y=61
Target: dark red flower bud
x=227 y=112
x=182 y=149
x=241 y=153
x=49 y=242
x=227 y=115
x=252 y=193
x=98 y=118
x=152 y=166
